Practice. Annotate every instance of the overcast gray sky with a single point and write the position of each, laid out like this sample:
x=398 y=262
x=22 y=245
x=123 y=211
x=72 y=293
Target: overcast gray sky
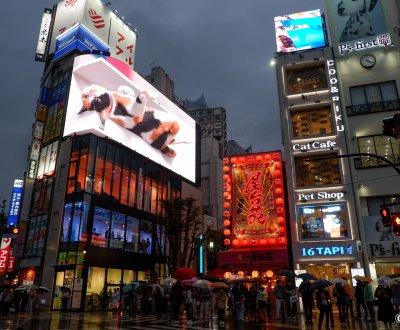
x=219 y=48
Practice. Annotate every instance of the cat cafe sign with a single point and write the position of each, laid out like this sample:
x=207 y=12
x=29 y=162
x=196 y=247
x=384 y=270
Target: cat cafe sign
x=314 y=145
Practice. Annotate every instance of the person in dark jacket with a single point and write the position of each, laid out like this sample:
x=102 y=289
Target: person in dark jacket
x=323 y=303
x=386 y=311
x=307 y=297
x=359 y=295
x=176 y=299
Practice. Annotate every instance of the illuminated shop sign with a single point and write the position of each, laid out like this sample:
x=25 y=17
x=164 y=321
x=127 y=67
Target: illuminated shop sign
x=327 y=251
x=320 y=195
x=314 y=145
x=333 y=81
x=43 y=35
x=382 y=40
x=15 y=204
x=78 y=37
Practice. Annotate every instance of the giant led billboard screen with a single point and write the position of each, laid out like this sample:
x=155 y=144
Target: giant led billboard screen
x=299 y=31
x=258 y=204
x=109 y=99
x=357 y=25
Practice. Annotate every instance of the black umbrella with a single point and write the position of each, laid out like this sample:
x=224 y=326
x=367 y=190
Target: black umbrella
x=286 y=272
x=320 y=284
x=307 y=276
x=65 y=288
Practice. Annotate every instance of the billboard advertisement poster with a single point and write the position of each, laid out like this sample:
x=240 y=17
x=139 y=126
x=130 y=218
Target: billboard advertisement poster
x=43 y=35
x=258 y=212
x=101 y=21
x=299 y=31
x=357 y=25
x=4 y=254
x=78 y=37
x=108 y=98
x=15 y=203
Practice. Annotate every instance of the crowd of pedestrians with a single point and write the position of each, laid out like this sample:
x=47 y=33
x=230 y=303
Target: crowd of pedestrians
x=20 y=301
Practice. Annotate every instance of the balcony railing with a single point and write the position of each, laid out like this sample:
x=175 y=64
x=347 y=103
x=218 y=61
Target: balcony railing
x=361 y=109
x=369 y=162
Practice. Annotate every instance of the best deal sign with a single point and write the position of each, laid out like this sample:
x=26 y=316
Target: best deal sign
x=4 y=255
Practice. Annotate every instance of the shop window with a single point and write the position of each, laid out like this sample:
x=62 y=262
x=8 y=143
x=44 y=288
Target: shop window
x=140 y=189
x=65 y=230
x=116 y=176
x=108 y=170
x=314 y=122
x=147 y=194
x=62 y=258
x=306 y=79
x=76 y=221
x=317 y=173
x=57 y=291
x=100 y=164
x=323 y=221
x=145 y=237
x=101 y=227
x=375 y=204
x=153 y=197
x=117 y=231
x=132 y=234
x=373 y=98
x=141 y=276
x=132 y=188
x=124 y=186
x=129 y=276
x=114 y=276
x=95 y=288
x=380 y=145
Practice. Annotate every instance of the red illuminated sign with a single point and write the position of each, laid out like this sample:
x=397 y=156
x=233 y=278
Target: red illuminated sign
x=258 y=217
x=4 y=254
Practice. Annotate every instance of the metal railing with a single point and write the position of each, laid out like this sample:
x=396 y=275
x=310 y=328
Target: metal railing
x=361 y=109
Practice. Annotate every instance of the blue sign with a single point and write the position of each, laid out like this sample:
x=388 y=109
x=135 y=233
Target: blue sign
x=78 y=37
x=327 y=251
x=15 y=203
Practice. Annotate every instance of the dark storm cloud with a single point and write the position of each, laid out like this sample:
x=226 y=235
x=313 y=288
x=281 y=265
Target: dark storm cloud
x=219 y=48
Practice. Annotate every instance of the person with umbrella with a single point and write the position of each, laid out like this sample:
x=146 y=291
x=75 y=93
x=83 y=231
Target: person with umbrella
x=323 y=301
x=176 y=299
x=359 y=295
x=220 y=305
x=307 y=297
x=386 y=311
x=369 y=299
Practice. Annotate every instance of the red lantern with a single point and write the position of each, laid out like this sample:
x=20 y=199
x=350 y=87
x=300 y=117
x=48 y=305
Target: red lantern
x=227 y=232
x=233 y=160
x=226 y=169
x=280 y=220
x=227 y=205
x=227 y=241
x=267 y=157
x=278 y=191
x=280 y=211
x=226 y=161
x=235 y=242
x=227 y=214
x=273 y=241
x=227 y=223
x=259 y=158
x=263 y=241
x=242 y=159
x=279 y=201
x=277 y=165
x=226 y=177
x=244 y=242
x=277 y=173
x=278 y=183
x=226 y=194
x=281 y=229
x=283 y=240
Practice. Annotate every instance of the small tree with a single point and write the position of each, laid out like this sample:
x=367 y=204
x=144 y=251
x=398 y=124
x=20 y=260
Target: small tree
x=182 y=223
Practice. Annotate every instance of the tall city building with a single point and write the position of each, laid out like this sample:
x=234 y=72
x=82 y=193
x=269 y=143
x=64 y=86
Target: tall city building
x=367 y=60
x=101 y=161
x=324 y=222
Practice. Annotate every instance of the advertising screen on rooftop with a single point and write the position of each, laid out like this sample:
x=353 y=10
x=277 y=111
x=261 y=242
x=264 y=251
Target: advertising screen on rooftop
x=299 y=31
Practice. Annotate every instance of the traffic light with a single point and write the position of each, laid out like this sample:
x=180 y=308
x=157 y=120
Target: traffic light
x=391 y=126
x=10 y=231
x=386 y=219
x=396 y=223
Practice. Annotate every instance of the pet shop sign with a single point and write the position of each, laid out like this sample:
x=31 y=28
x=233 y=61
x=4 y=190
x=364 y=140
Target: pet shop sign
x=320 y=195
x=381 y=40
x=333 y=81
x=314 y=145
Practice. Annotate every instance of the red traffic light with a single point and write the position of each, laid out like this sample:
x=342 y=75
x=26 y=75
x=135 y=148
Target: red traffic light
x=396 y=223
x=385 y=214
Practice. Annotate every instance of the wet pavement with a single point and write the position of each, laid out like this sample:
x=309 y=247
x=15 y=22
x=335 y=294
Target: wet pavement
x=121 y=321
